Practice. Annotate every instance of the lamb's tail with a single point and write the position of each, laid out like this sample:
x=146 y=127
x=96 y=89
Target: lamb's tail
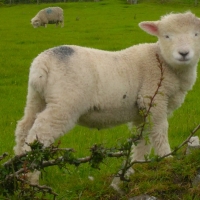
x=38 y=76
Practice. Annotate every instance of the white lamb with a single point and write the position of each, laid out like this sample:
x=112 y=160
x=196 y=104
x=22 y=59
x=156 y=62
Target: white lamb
x=51 y=15
x=72 y=84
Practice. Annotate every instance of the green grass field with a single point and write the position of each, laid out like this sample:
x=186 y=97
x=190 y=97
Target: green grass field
x=109 y=25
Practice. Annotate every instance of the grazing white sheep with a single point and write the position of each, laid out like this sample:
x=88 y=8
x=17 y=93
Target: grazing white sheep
x=72 y=84
x=51 y=15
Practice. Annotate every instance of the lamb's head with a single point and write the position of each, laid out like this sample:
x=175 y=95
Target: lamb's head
x=36 y=22
x=178 y=37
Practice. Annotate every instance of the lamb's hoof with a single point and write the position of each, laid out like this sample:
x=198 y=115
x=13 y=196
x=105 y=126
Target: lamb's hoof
x=117 y=182
x=116 y=185
x=33 y=177
x=143 y=197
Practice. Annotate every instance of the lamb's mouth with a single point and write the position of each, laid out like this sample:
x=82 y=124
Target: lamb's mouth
x=183 y=59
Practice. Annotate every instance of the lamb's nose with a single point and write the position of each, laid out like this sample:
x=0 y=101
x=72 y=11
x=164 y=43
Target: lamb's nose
x=184 y=54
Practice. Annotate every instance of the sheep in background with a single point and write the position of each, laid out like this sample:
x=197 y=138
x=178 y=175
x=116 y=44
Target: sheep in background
x=94 y=88
x=51 y=15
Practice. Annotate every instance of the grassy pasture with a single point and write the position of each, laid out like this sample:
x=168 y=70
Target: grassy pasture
x=109 y=25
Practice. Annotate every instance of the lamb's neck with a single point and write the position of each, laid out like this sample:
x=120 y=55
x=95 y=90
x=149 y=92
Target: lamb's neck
x=187 y=76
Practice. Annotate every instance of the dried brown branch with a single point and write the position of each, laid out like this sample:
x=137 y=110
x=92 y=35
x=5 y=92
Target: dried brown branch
x=39 y=187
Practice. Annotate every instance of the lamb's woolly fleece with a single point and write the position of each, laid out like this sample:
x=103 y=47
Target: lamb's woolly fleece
x=51 y=15
x=95 y=88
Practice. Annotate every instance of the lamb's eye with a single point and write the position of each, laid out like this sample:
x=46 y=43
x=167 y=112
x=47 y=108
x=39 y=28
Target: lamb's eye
x=167 y=36
x=196 y=34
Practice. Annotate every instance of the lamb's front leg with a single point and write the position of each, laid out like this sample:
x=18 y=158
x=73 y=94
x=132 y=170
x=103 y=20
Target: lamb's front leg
x=138 y=151
x=143 y=146
x=158 y=125
x=159 y=138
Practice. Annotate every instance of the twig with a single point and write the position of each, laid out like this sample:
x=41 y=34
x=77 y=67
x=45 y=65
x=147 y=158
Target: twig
x=40 y=187
x=169 y=154
x=14 y=159
x=3 y=156
x=184 y=143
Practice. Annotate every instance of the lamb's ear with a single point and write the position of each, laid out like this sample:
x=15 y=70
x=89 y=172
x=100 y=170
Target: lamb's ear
x=150 y=27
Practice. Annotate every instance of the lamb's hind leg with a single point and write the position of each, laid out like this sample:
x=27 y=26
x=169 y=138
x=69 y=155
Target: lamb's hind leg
x=56 y=119
x=34 y=105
